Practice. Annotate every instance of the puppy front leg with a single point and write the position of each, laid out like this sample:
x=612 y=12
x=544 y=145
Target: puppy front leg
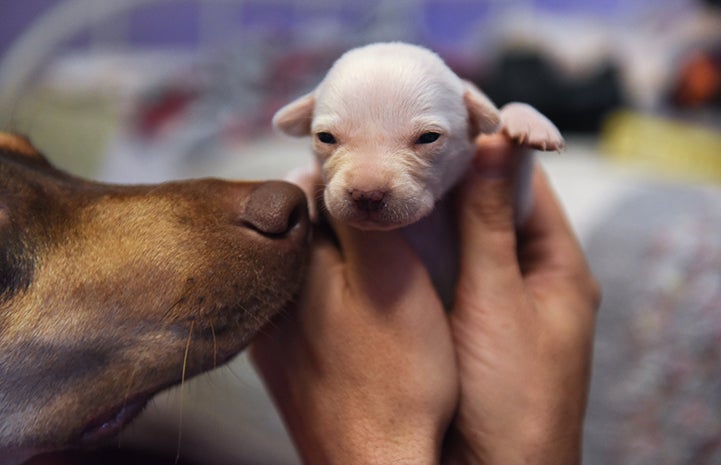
x=527 y=126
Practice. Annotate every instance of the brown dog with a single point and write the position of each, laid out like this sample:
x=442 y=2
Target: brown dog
x=109 y=294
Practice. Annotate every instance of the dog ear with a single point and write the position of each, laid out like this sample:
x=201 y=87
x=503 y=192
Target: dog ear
x=18 y=144
x=483 y=115
x=295 y=118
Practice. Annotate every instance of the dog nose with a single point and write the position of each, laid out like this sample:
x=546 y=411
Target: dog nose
x=369 y=201
x=274 y=208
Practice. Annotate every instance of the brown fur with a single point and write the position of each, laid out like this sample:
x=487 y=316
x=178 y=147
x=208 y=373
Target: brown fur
x=103 y=287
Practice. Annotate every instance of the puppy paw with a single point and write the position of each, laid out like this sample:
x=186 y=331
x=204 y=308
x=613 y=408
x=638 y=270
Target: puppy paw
x=309 y=179
x=527 y=126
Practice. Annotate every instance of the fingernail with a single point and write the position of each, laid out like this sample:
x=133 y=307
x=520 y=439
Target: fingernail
x=496 y=157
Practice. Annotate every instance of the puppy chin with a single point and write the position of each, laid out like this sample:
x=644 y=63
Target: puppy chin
x=385 y=219
x=372 y=225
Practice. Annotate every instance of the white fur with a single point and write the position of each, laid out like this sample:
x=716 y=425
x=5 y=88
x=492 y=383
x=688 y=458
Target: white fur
x=376 y=101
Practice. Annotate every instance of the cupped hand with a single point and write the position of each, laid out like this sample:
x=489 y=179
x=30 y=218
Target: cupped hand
x=522 y=322
x=363 y=368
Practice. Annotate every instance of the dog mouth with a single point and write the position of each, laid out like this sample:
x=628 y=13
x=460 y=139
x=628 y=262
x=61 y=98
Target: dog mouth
x=108 y=424
x=211 y=346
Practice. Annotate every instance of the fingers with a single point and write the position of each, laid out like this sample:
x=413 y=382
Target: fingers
x=486 y=200
x=549 y=248
x=548 y=237
x=381 y=265
x=497 y=254
x=322 y=277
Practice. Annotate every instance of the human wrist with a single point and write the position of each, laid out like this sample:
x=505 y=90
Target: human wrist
x=537 y=448
x=373 y=454
x=527 y=443
x=354 y=447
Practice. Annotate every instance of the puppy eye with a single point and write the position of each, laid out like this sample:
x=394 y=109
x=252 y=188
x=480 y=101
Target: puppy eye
x=428 y=138
x=326 y=137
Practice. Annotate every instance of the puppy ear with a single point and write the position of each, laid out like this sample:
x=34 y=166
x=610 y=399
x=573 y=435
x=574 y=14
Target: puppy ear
x=483 y=115
x=295 y=118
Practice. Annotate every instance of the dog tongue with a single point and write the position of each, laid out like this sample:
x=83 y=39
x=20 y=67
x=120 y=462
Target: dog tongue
x=274 y=208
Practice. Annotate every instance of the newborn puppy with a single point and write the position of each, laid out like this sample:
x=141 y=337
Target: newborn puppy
x=393 y=131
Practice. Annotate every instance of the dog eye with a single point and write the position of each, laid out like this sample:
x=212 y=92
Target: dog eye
x=326 y=137
x=428 y=138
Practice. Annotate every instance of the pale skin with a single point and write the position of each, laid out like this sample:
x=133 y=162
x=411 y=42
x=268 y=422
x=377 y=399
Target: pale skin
x=368 y=368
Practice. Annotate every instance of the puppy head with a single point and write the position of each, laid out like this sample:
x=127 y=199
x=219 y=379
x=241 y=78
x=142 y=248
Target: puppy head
x=392 y=130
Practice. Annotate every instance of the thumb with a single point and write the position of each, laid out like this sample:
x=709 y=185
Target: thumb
x=486 y=205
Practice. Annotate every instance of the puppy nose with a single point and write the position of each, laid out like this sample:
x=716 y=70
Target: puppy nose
x=274 y=208
x=369 y=201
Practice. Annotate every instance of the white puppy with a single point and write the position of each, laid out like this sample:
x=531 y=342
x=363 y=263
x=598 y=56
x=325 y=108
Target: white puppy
x=393 y=130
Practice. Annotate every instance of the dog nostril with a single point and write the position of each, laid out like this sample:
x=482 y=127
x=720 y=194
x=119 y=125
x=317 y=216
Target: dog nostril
x=275 y=208
x=369 y=201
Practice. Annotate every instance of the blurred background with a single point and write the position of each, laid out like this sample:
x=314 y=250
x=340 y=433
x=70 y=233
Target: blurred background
x=150 y=90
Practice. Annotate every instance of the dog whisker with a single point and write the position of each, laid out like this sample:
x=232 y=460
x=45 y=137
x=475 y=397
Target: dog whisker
x=237 y=376
x=318 y=196
x=169 y=312
x=128 y=391
x=273 y=323
x=320 y=203
x=215 y=346
x=259 y=322
x=182 y=392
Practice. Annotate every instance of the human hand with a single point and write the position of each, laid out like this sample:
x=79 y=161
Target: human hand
x=363 y=369
x=522 y=322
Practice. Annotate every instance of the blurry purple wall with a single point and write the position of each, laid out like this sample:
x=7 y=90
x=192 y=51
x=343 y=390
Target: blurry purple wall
x=437 y=22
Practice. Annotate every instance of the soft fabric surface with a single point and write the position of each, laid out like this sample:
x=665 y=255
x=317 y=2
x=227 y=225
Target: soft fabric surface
x=656 y=390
